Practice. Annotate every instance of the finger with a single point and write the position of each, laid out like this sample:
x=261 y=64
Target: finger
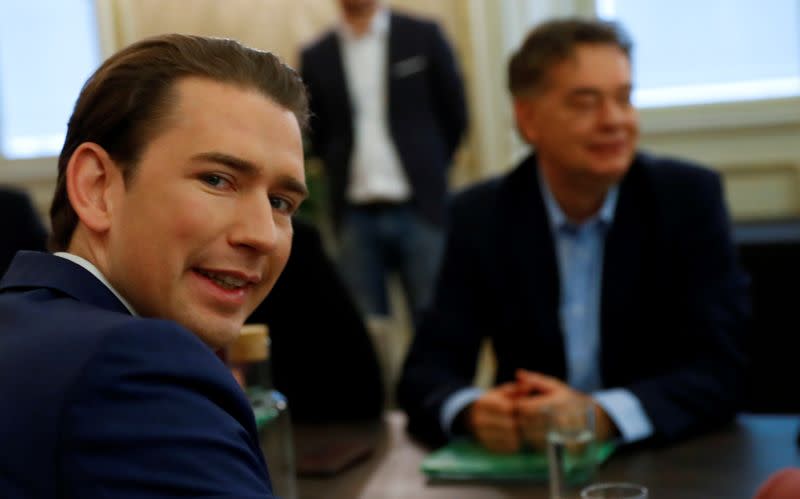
x=533 y=419
x=509 y=390
x=482 y=417
x=534 y=405
x=529 y=381
x=500 y=399
x=605 y=427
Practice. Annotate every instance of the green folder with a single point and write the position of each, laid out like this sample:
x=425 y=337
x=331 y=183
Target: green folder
x=465 y=459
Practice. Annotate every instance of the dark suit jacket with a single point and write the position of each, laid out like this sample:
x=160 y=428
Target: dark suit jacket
x=672 y=307
x=98 y=403
x=322 y=355
x=20 y=227
x=427 y=113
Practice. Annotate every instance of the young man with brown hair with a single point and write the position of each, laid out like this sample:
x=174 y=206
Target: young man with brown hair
x=180 y=172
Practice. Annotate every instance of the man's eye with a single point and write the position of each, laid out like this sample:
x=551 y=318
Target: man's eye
x=215 y=180
x=584 y=104
x=281 y=204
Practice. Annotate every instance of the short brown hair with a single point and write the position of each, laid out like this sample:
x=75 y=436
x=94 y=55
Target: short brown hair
x=124 y=103
x=554 y=41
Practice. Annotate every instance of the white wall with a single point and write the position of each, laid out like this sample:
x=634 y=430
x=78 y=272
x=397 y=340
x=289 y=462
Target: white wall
x=755 y=146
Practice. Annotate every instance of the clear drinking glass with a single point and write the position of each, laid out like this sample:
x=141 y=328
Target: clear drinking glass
x=614 y=491
x=571 y=448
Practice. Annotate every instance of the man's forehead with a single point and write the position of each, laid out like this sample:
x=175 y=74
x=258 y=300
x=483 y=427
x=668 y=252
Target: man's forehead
x=590 y=65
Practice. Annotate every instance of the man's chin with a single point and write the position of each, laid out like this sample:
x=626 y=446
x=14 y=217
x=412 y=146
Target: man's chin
x=215 y=332
x=611 y=172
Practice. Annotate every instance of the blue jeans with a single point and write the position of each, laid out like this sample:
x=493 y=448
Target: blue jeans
x=377 y=240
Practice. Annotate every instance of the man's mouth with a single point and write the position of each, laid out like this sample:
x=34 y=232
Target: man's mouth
x=608 y=147
x=225 y=280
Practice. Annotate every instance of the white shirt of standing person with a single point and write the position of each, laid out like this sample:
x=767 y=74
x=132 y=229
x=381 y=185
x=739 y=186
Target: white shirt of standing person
x=376 y=173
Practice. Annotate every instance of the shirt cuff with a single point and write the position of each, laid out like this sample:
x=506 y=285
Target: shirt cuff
x=626 y=412
x=456 y=403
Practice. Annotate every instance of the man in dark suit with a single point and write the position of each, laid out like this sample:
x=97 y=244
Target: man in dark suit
x=21 y=226
x=171 y=221
x=598 y=272
x=388 y=112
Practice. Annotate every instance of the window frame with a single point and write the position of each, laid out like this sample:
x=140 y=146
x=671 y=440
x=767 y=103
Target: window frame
x=520 y=15
x=41 y=170
x=745 y=113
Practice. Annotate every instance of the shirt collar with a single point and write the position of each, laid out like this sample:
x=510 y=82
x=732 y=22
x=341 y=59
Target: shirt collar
x=379 y=25
x=558 y=219
x=89 y=266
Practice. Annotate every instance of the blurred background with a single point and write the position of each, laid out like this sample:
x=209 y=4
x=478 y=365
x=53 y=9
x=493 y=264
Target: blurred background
x=717 y=82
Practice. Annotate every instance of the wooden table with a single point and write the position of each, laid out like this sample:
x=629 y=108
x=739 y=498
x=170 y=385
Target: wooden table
x=726 y=464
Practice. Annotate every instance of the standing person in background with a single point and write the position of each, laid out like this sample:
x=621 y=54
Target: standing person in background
x=20 y=228
x=388 y=112
x=172 y=219
x=597 y=271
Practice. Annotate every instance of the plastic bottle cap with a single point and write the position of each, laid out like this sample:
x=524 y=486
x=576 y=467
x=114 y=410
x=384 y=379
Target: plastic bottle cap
x=250 y=346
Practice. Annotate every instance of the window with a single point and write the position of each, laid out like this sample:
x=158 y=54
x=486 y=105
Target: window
x=48 y=48
x=689 y=52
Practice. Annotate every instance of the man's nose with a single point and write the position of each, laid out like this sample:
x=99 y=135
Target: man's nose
x=254 y=225
x=614 y=113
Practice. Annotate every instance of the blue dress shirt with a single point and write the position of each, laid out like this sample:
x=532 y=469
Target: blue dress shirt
x=579 y=251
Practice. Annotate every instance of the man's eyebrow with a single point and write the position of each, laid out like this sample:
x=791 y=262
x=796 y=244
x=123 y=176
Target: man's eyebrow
x=248 y=168
x=584 y=91
x=294 y=185
x=591 y=91
x=238 y=164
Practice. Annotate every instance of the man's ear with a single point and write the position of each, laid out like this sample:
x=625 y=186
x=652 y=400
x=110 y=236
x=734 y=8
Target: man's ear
x=92 y=176
x=524 y=115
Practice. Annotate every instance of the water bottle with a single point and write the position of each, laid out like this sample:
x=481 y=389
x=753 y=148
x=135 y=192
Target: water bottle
x=249 y=358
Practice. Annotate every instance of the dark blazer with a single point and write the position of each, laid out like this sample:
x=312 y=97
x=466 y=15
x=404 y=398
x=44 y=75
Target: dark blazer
x=323 y=360
x=426 y=108
x=672 y=309
x=98 y=403
x=20 y=226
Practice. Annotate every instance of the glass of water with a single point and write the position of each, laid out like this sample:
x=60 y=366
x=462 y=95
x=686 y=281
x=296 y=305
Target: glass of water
x=614 y=491
x=571 y=449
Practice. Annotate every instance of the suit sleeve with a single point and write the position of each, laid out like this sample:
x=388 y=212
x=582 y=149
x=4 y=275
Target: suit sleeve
x=444 y=353
x=703 y=391
x=448 y=90
x=155 y=414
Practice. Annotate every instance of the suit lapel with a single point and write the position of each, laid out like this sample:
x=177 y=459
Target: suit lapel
x=621 y=269
x=533 y=271
x=333 y=59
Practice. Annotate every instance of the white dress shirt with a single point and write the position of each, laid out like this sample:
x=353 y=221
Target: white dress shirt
x=376 y=173
x=579 y=251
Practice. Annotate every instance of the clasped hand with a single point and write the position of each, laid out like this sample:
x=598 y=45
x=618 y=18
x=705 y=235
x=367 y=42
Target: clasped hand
x=513 y=413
